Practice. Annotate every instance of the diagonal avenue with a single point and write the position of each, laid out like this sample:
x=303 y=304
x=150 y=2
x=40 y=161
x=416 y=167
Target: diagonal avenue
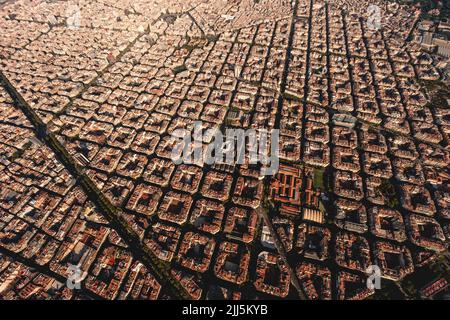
x=160 y=269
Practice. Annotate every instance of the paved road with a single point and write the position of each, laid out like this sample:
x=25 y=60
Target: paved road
x=294 y=280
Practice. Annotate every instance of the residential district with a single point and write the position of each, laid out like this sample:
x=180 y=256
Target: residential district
x=92 y=205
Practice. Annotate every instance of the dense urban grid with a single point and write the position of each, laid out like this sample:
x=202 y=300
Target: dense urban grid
x=92 y=205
